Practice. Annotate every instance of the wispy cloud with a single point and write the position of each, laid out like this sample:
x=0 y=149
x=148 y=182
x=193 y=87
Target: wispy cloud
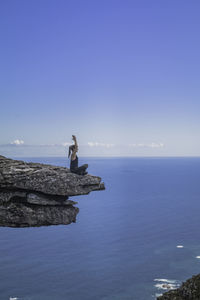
x=20 y=148
x=65 y=144
x=97 y=144
x=22 y=143
x=151 y=145
x=156 y=145
x=17 y=142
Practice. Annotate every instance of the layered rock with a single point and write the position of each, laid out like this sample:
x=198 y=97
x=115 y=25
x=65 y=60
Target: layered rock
x=189 y=290
x=34 y=194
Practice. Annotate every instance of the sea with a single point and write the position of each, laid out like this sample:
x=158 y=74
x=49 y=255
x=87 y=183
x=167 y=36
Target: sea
x=134 y=241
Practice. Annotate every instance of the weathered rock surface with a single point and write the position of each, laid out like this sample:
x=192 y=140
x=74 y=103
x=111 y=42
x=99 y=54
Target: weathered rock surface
x=189 y=290
x=33 y=194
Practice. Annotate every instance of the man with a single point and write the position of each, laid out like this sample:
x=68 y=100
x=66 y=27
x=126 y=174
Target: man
x=73 y=149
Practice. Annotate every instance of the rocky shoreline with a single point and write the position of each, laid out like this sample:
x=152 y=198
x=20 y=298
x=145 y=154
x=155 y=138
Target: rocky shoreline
x=189 y=290
x=34 y=194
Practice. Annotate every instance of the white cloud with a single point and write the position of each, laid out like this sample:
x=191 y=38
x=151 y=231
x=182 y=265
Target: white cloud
x=151 y=145
x=21 y=142
x=156 y=145
x=17 y=142
x=51 y=145
x=96 y=144
x=65 y=144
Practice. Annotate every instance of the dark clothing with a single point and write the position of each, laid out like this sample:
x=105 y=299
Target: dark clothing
x=81 y=170
x=78 y=170
x=74 y=164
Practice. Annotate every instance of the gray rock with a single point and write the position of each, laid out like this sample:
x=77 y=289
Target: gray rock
x=40 y=199
x=26 y=215
x=53 y=180
x=33 y=194
x=189 y=290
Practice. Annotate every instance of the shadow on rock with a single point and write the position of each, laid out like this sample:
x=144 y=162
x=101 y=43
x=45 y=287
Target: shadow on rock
x=19 y=209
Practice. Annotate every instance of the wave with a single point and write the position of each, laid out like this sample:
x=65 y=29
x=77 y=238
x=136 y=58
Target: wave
x=166 y=284
x=166 y=280
x=157 y=295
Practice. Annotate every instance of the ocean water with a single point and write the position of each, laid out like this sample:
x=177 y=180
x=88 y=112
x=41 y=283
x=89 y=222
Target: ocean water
x=132 y=241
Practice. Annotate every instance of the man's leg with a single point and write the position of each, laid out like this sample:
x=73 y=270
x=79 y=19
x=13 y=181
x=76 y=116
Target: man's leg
x=82 y=169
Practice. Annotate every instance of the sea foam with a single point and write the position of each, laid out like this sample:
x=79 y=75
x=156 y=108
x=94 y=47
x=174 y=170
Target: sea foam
x=166 y=284
x=165 y=280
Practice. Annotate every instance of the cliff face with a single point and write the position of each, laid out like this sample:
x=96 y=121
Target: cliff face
x=189 y=290
x=33 y=194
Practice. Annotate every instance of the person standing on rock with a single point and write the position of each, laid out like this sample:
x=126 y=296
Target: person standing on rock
x=73 y=149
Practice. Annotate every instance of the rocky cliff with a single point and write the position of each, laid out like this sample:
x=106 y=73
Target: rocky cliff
x=34 y=194
x=189 y=290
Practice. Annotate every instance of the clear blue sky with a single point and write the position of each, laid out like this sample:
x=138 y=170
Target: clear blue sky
x=124 y=76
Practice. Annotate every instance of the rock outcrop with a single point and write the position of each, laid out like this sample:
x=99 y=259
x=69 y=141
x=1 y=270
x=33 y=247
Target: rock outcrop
x=189 y=290
x=34 y=194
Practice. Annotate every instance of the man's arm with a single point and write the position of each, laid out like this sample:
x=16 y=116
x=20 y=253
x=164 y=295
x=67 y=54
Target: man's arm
x=75 y=142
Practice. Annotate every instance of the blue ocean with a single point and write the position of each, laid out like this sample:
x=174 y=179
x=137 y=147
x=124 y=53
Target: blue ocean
x=132 y=241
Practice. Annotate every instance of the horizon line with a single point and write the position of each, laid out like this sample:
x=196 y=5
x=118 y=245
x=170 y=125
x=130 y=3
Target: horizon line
x=113 y=156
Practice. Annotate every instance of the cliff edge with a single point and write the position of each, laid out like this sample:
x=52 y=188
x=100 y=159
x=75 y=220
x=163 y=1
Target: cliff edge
x=34 y=194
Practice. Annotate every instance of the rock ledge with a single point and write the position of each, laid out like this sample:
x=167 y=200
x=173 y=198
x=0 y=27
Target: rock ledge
x=34 y=194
